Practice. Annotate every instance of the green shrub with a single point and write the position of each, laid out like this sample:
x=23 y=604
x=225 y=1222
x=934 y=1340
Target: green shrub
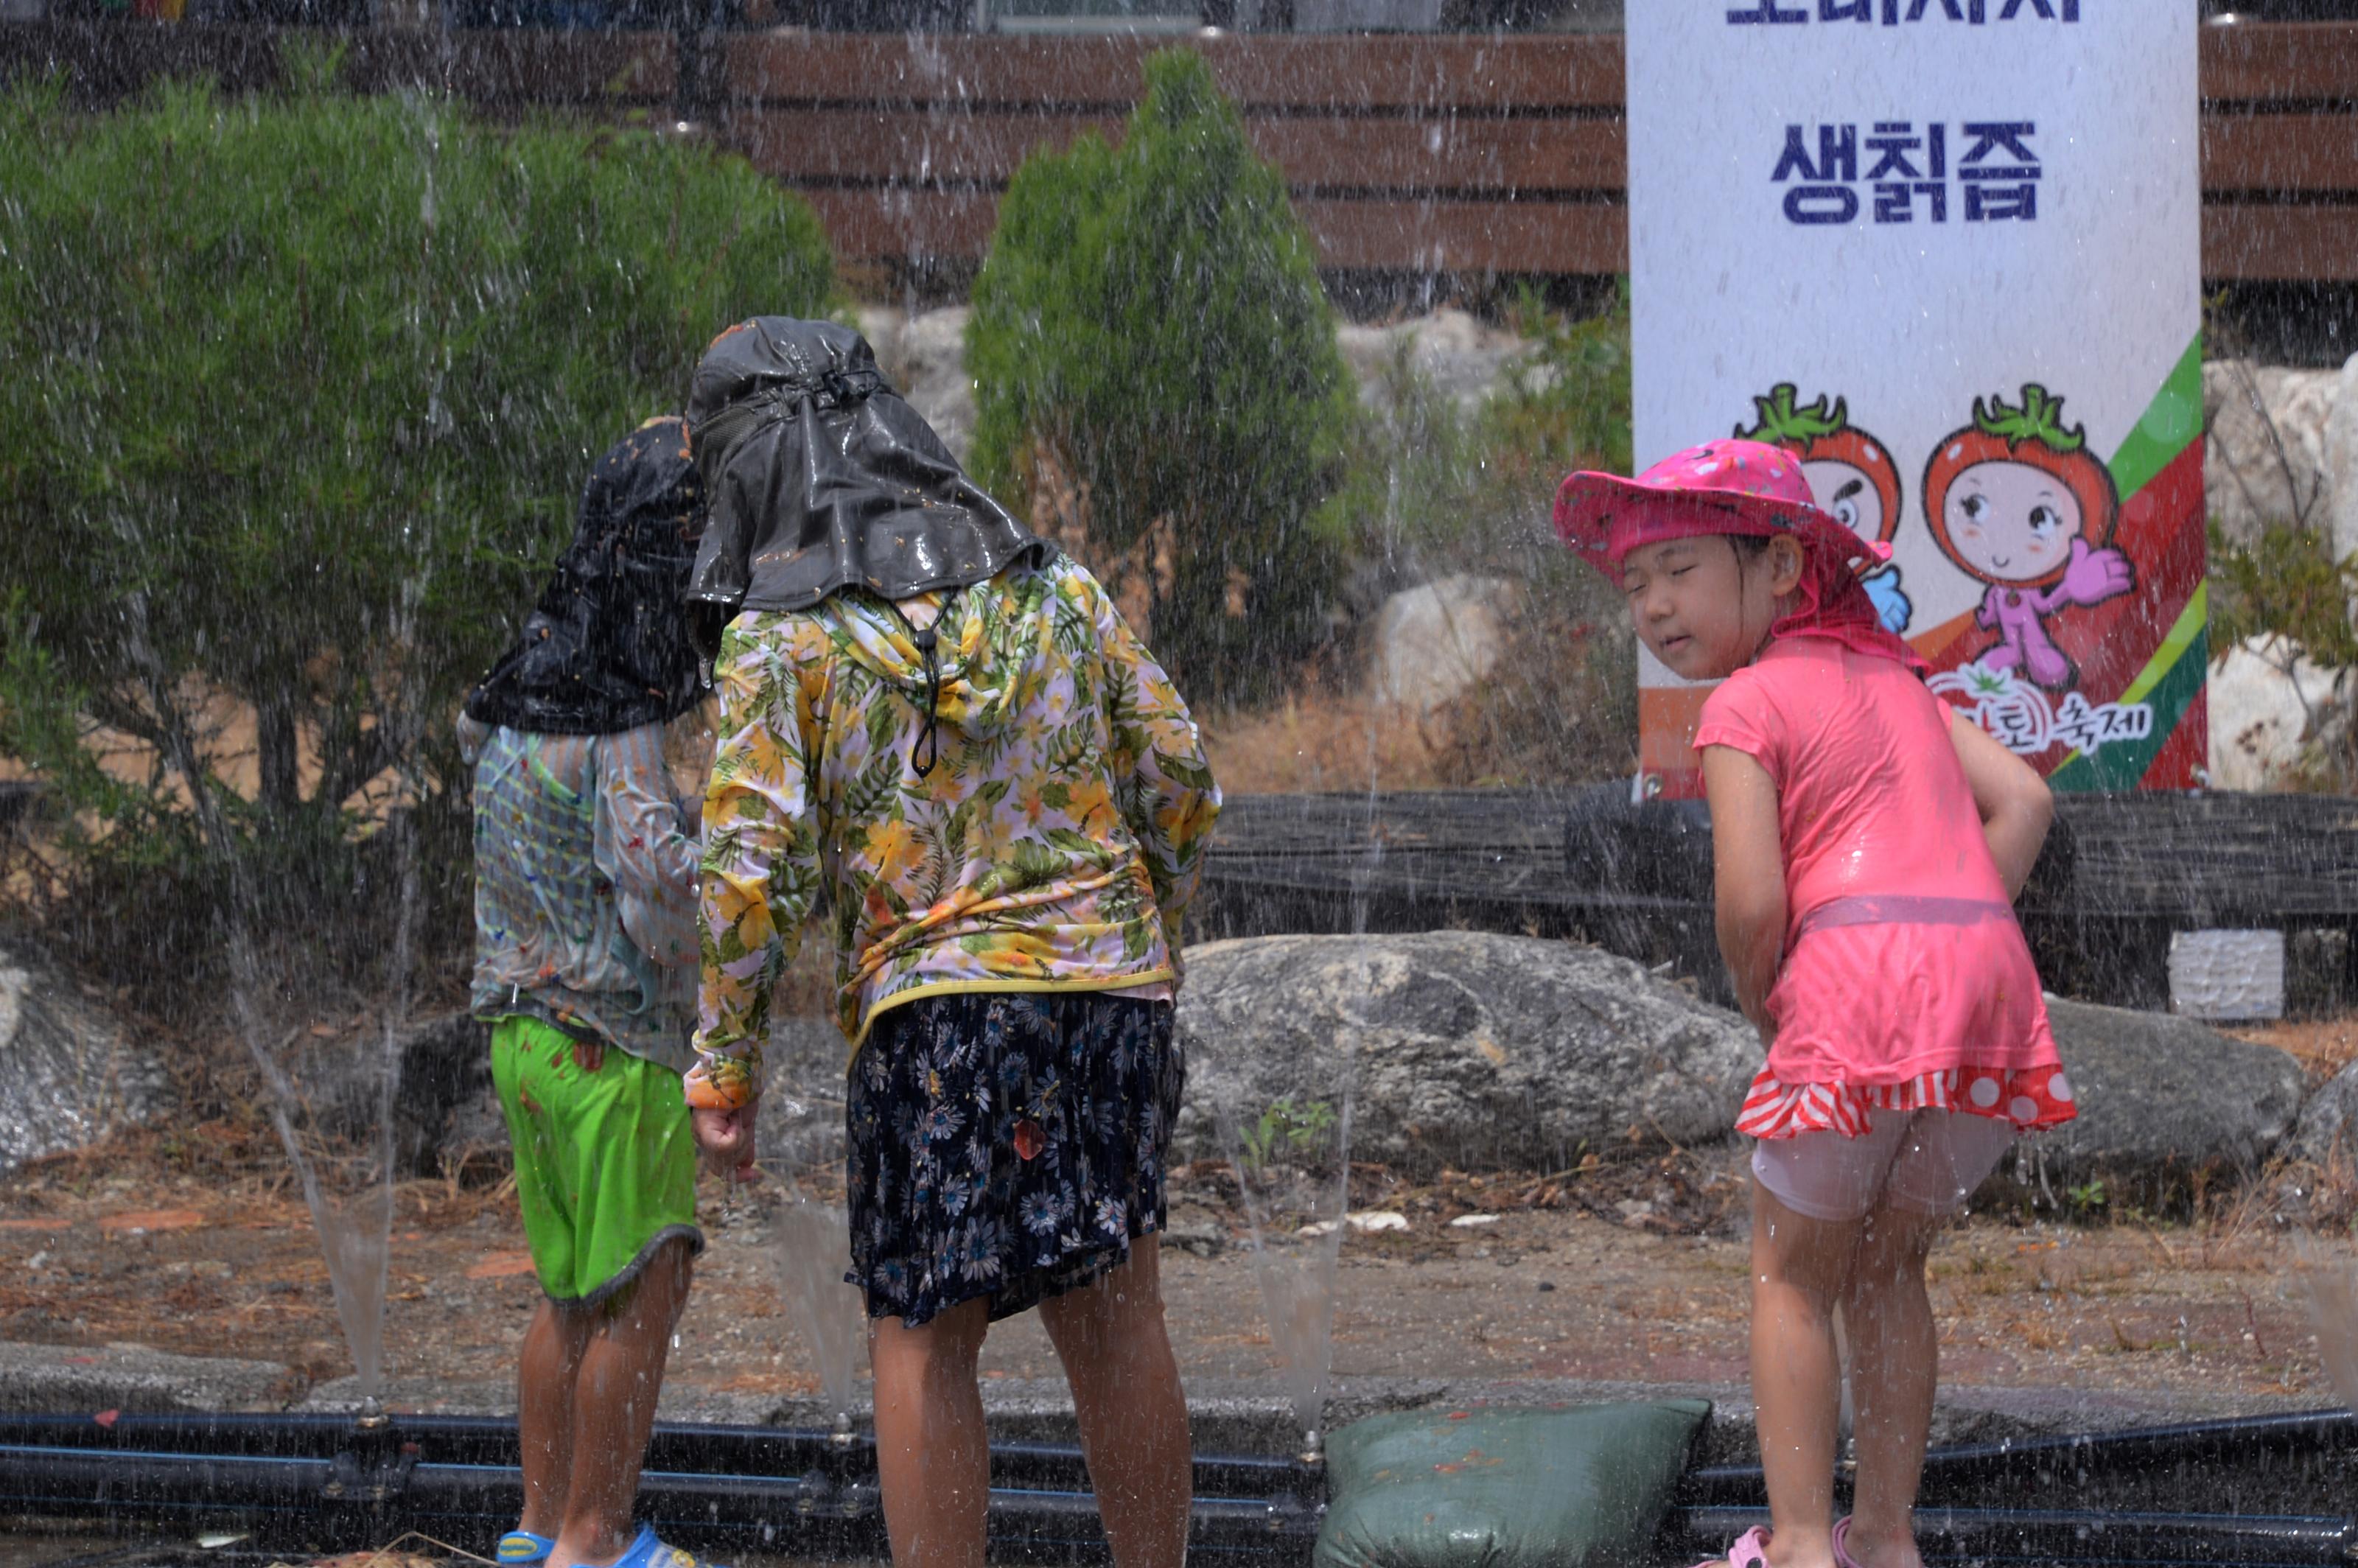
x=1433 y=491
x=301 y=393
x=1157 y=378
x=1570 y=406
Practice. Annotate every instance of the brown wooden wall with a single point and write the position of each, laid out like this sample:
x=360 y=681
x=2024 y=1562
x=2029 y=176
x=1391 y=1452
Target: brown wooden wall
x=1443 y=154
x=1467 y=154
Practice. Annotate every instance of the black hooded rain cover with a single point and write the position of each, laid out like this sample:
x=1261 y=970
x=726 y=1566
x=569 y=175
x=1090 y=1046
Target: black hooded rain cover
x=821 y=477
x=607 y=649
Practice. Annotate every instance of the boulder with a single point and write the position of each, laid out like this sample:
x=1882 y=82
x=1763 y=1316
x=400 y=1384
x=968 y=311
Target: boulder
x=1455 y=1048
x=801 y=1116
x=1455 y=354
x=69 y=1073
x=929 y=360
x=2340 y=462
x=882 y=325
x=2327 y=1132
x=2162 y=1100
x=1434 y=641
x=445 y=1107
x=2270 y=711
x=2265 y=455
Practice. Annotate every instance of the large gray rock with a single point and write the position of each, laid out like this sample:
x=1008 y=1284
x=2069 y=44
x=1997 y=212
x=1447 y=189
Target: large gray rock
x=2341 y=461
x=1472 y=1050
x=2161 y=1099
x=2327 y=1132
x=1459 y=356
x=445 y=1106
x=1434 y=641
x=69 y=1073
x=930 y=360
x=2264 y=455
x=801 y=1114
x=2272 y=710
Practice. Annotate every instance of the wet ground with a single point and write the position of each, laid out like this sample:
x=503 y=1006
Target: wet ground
x=1633 y=1272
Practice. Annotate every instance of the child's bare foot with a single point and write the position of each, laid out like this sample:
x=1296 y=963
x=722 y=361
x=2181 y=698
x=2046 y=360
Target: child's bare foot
x=1800 y=1548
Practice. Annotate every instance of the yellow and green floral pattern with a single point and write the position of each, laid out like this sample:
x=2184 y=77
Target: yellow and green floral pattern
x=1052 y=846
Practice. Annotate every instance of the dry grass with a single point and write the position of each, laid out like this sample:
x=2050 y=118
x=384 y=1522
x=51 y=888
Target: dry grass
x=1559 y=708
x=2323 y=1046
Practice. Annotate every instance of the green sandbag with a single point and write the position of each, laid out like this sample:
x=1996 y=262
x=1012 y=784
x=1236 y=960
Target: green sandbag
x=1505 y=1488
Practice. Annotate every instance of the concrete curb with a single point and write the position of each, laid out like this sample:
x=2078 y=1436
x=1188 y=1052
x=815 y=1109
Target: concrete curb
x=65 y=1379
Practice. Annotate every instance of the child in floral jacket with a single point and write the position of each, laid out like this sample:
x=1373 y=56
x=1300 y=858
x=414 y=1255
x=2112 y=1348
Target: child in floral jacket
x=933 y=714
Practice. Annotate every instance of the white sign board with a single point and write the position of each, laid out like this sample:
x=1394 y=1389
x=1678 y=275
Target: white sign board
x=1947 y=251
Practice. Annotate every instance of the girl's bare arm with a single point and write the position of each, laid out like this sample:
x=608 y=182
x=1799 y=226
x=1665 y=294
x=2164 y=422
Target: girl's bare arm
x=1748 y=875
x=2014 y=802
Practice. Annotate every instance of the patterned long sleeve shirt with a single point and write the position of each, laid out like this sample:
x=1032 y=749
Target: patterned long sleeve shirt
x=1053 y=844
x=585 y=887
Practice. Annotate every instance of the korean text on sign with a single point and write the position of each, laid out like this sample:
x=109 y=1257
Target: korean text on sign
x=1908 y=172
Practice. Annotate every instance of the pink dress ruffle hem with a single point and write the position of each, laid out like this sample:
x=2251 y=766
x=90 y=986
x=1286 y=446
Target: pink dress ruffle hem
x=2032 y=1099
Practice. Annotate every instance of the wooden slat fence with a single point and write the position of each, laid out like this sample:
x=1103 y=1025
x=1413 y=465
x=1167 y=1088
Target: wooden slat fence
x=1418 y=153
x=1435 y=153
x=504 y=73
x=2120 y=872
x=1431 y=154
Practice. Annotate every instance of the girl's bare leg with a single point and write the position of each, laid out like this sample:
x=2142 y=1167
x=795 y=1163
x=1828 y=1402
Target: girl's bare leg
x=546 y=1373
x=1132 y=1411
x=1799 y=1266
x=933 y=1457
x=1895 y=1351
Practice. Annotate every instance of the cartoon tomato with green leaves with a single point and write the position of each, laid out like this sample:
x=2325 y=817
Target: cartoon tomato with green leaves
x=2016 y=500
x=1851 y=476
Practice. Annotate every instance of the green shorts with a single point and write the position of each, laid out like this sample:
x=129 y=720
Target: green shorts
x=605 y=1161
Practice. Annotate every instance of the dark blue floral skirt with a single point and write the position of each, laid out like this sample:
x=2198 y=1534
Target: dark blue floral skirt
x=1006 y=1144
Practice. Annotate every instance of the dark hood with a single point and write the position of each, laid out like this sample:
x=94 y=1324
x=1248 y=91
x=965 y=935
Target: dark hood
x=820 y=476
x=607 y=648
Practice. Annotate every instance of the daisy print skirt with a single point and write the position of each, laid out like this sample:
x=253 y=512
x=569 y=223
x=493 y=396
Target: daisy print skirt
x=1006 y=1144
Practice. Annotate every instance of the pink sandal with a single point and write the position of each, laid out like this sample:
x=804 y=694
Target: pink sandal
x=1750 y=1551
x=1842 y=1559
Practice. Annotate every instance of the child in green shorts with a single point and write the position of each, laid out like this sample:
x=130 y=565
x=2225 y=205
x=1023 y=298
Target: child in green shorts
x=585 y=950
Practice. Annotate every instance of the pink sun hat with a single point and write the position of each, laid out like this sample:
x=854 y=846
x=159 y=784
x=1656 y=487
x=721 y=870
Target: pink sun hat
x=1745 y=488
x=1727 y=486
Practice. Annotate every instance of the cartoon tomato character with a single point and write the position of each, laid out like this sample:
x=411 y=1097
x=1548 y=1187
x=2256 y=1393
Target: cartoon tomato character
x=2016 y=500
x=1851 y=476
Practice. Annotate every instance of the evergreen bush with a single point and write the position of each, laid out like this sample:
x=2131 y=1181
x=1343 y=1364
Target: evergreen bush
x=301 y=393
x=1157 y=378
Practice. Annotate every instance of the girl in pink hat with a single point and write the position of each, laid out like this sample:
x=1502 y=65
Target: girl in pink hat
x=1867 y=845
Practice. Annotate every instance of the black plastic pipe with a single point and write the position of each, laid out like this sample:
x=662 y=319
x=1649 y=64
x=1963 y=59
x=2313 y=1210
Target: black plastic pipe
x=1997 y=1535
x=683 y=1446
x=2085 y=1455
x=350 y=1500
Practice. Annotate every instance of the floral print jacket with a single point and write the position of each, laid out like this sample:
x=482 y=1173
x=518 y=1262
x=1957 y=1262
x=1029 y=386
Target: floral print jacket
x=1052 y=845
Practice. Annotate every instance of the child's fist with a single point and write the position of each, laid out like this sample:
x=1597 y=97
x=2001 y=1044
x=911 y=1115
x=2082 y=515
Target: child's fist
x=726 y=1141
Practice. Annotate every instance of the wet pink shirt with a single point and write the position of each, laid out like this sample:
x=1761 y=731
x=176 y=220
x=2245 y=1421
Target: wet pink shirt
x=1902 y=955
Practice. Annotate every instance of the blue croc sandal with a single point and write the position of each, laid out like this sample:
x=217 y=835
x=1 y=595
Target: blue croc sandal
x=522 y=1549
x=646 y=1552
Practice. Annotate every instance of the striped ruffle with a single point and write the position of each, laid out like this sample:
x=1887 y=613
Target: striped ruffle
x=2030 y=1097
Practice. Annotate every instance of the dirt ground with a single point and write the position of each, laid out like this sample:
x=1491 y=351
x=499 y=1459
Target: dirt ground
x=1626 y=1270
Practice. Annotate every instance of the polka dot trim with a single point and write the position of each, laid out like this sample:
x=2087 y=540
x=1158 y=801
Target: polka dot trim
x=2031 y=1099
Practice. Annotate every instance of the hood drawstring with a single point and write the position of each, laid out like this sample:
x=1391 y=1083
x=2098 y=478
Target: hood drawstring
x=929 y=645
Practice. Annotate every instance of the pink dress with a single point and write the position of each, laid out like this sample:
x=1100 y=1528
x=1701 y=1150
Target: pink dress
x=1906 y=983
